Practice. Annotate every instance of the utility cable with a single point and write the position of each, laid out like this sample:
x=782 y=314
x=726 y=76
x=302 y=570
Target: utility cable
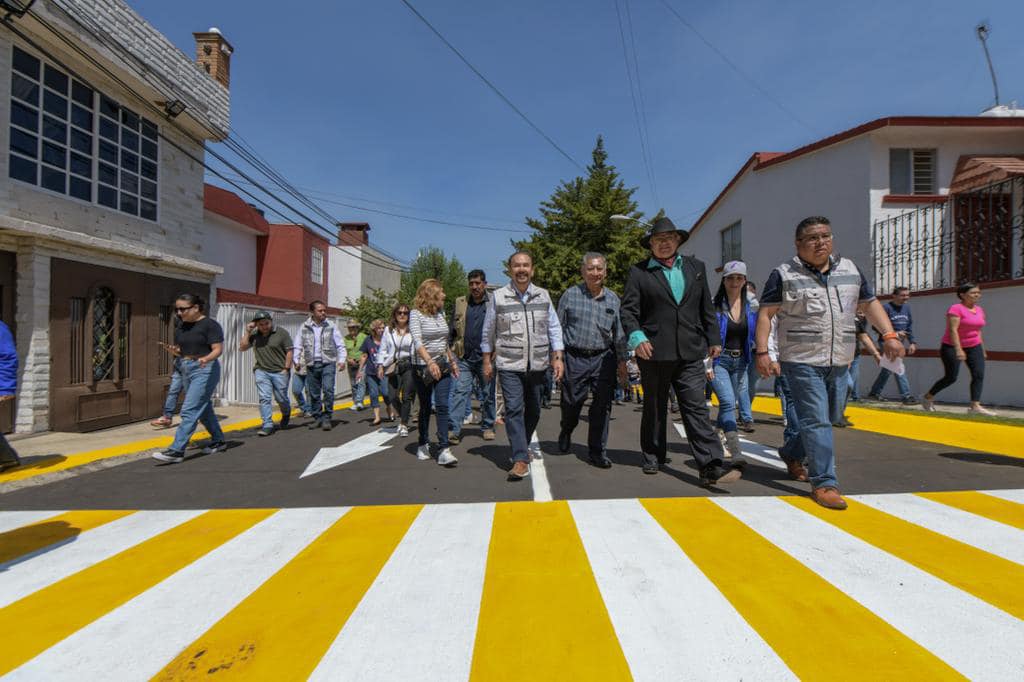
x=636 y=106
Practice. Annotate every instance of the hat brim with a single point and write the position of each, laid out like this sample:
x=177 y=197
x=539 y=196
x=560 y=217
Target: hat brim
x=645 y=241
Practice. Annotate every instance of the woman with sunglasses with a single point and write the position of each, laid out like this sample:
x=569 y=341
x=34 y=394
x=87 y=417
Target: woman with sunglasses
x=371 y=372
x=396 y=358
x=198 y=342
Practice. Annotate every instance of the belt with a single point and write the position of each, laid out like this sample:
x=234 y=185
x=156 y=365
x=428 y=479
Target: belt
x=583 y=352
x=732 y=353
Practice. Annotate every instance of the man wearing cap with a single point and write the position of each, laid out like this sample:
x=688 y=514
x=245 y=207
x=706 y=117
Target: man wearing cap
x=272 y=348
x=353 y=342
x=670 y=323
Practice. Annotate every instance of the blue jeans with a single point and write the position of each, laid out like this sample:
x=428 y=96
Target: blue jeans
x=320 y=382
x=811 y=389
x=883 y=378
x=522 y=393
x=792 y=429
x=199 y=384
x=752 y=377
x=463 y=387
x=299 y=392
x=171 y=402
x=272 y=385
x=376 y=388
x=358 y=386
x=853 y=377
x=438 y=390
x=730 y=385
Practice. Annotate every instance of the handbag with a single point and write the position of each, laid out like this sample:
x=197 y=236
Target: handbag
x=427 y=377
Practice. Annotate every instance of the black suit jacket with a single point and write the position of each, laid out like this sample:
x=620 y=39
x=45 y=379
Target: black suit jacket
x=680 y=331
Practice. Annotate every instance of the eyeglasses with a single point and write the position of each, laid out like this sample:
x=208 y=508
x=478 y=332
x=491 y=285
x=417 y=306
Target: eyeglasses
x=181 y=310
x=402 y=312
x=817 y=239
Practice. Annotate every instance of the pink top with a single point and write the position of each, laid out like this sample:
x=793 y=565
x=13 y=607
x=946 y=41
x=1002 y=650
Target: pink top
x=971 y=322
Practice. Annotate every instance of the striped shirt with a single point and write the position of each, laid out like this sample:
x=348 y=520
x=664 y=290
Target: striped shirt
x=591 y=323
x=430 y=333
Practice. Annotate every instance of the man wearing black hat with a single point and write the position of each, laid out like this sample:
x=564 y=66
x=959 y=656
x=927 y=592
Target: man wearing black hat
x=272 y=347
x=669 y=320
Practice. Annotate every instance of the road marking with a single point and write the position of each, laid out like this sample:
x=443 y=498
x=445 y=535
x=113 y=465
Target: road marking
x=984 y=575
x=1011 y=495
x=926 y=609
x=9 y=520
x=987 y=506
x=753 y=450
x=654 y=593
x=37 y=622
x=282 y=629
x=787 y=603
x=357 y=448
x=21 y=578
x=990 y=536
x=433 y=580
x=541 y=614
x=40 y=536
x=152 y=628
x=539 y=474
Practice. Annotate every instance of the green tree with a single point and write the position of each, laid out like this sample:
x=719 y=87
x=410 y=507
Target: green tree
x=432 y=263
x=366 y=309
x=577 y=219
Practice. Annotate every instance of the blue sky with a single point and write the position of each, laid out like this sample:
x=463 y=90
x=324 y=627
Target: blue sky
x=359 y=102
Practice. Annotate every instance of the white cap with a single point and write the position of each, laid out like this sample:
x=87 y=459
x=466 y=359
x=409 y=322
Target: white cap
x=734 y=267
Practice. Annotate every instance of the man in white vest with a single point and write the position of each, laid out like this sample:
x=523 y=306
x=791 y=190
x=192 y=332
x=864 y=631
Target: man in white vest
x=816 y=297
x=521 y=337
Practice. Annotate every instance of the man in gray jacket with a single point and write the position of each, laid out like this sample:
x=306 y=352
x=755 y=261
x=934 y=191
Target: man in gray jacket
x=322 y=350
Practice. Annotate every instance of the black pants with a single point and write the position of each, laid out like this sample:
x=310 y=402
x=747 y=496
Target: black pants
x=975 y=364
x=403 y=392
x=582 y=375
x=687 y=379
x=7 y=453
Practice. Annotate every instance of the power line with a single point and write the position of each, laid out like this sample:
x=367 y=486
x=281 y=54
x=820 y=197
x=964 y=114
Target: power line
x=643 y=104
x=740 y=72
x=491 y=85
x=640 y=128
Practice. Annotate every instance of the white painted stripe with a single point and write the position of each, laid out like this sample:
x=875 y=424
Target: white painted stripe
x=977 y=531
x=750 y=450
x=22 y=578
x=539 y=474
x=357 y=448
x=965 y=632
x=146 y=633
x=418 y=619
x=668 y=616
x=11 y=520
x=1011 y=495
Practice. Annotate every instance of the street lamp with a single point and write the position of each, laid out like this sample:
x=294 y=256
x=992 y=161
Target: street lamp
x=619 y=218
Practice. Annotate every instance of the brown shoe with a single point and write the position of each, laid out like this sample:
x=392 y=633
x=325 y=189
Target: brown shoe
x=520 y=470
x=828 y=497
x=489 y=434
x=797 y=471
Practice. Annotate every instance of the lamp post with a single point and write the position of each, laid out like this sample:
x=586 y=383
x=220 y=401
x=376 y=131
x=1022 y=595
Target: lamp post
x=619 y=218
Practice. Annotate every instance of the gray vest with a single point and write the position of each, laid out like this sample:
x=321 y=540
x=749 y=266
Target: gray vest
x=328 y=349
x=521 y=329
x=816 y=323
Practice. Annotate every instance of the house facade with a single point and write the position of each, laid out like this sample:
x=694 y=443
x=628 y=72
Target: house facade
x=924 y=202
x=101 y=213
x=357 y=267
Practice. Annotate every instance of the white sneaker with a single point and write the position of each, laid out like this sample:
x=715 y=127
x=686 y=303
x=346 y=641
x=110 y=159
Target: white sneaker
x=214 y=448
x=423 y=452
x=446 y=458
x=403 y=431
x=982 y=410
x=468 y=421
x=535 y=451
x=927 y=404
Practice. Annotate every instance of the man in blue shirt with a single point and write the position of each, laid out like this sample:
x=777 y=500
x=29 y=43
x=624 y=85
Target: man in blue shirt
x=898 y=310
x=8 y=382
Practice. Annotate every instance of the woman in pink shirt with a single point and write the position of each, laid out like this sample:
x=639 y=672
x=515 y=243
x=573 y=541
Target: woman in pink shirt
x=962 y=341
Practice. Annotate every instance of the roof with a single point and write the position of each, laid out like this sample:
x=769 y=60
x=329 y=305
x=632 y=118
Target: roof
x=228 y=204
x=315 y=234
x=761 y=160
x=978 y=171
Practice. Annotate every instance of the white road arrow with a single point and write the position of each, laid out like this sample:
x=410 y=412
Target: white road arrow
x=750 y=450
x=328 y=458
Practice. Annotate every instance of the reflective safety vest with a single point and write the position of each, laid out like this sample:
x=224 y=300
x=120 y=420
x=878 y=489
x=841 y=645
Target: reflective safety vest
x=521 y=329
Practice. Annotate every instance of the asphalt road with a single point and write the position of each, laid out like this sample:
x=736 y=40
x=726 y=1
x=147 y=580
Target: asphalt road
x=265 y=472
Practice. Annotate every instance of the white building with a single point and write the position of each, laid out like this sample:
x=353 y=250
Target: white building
x=357 y=268
x=885 y=186
x=101 y=214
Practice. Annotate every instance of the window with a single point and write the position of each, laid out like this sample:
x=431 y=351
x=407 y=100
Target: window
x=317 y=266
x=912 y=171
x=103 y=334
x=731 y=243
x=59 y=141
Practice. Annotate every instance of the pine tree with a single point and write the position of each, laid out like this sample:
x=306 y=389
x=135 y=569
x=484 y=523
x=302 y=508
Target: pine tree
x=577 y=219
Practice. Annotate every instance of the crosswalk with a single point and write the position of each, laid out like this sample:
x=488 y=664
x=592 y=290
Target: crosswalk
x=925 y=585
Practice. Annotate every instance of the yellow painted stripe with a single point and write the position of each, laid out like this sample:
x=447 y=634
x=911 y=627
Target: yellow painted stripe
x=788 y=604
x=1002 y=439
x=282 y=630
x=986 y=576
x=44 y=618
x=51 y=531
x=541 y=613
x=994 y=508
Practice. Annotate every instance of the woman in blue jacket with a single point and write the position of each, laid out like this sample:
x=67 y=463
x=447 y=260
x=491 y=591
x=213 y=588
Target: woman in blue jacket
x=8 y=382
x=736 y=323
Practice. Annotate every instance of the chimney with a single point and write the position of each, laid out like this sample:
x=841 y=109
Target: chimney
x=213 y=53
x=353 y=234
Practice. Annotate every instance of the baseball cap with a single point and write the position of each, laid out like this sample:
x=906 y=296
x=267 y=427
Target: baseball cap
x=261 y=315
x=734 y=267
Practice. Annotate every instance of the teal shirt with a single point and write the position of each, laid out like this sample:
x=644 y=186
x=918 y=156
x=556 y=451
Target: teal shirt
x=676 y=283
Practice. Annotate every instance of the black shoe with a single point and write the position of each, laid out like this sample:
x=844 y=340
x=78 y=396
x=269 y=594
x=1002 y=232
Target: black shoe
x=911 y=400
x=265 y=431
x=564 y=441
x=747 y=427
x=650 y=467
x=315 y=424
x=843 y=423
x=719 y=473
x=285 y=418
x=876 y=398
x=10 y=464
x=601 y=461
x=326 y=424
x=170 y=456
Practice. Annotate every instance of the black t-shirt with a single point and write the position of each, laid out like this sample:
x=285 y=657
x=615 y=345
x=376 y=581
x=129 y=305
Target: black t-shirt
x=736 y=334
x=195 y=338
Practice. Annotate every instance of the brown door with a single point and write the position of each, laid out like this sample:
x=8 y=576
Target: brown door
x=7 y=265
x=106 y=367
x=984 y=237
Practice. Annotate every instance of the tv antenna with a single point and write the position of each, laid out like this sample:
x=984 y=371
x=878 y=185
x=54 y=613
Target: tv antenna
x=982 y=30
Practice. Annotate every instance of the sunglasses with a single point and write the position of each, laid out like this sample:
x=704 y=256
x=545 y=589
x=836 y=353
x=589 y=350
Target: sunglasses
x=181 y=310
x=402 y=312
